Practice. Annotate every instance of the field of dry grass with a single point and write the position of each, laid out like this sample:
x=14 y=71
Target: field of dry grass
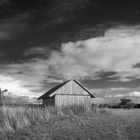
x=132 y=118
x=68 y=123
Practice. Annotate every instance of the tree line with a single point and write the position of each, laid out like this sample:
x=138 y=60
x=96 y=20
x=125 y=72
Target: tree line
x=124 y=103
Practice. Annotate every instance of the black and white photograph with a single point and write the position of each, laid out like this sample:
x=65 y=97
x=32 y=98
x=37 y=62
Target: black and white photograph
x=69 y=70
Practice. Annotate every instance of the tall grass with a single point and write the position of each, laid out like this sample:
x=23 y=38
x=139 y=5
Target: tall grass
x=65 y=123
x=15 y=118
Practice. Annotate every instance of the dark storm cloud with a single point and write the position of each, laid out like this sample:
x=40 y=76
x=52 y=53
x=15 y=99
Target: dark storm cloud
x=54 y=12
x=11 y=27
x=48 y=13
x=45 y=15
x=85 y=32
x=5 y=2
x=39 y=14
x=36 y=51
x=65 y=9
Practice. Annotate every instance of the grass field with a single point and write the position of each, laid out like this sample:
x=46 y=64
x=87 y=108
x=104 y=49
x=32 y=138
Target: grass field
x=132 y=118
x=69 y=123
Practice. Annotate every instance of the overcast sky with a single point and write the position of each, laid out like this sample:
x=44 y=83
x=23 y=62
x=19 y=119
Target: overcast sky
x=45 y=42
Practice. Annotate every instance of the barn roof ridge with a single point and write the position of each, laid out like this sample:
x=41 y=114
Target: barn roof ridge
x=49 y=92
x=86 y=89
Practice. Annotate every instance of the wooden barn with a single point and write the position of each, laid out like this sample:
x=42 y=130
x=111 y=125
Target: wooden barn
x=71 y=92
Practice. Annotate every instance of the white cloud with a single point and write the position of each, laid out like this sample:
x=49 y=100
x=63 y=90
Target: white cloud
x=119 y=95
x=111 y=92
x=118 y=50
x=109 y=96
x=26 y=78
x=119 y=89
x=130 y=94
x=135 y=93
x=14 y=86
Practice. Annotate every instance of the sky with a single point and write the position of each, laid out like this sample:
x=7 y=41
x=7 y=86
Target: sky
x=46 y=42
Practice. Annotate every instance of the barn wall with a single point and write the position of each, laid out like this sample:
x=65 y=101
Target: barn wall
x=63 y=100
x=70 y=94
x=49 y=101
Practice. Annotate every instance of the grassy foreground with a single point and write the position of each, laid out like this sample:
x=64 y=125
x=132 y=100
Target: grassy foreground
x=68 y=123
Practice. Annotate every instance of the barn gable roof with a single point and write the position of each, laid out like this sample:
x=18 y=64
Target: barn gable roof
x=50 y=92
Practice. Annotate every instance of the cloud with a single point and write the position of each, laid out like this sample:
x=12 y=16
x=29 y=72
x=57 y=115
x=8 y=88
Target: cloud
x=4 y=2
x=118 y=50
x=112 y=92
x=118 y=95
x=114 y=55
x=35 y=51
x=86 y=32
x=13 y=85
x=127 y=94
x=4 y=35
x=135 y=94
x=10 y=27
x=64 y=10
x=27 y=78
x=42 y=51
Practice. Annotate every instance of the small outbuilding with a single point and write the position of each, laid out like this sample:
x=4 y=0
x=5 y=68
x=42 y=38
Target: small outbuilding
x=71 y=92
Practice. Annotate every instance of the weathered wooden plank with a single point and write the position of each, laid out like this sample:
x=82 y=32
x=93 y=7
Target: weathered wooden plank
x=70 y=100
